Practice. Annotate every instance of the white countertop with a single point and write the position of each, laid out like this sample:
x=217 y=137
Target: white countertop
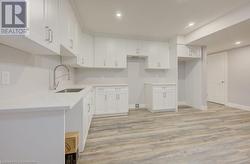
x=159 y=84
x=45 y=101
x=49 y=101
x=108 y=85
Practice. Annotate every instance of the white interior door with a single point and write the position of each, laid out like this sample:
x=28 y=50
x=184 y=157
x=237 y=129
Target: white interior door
x=216 y=78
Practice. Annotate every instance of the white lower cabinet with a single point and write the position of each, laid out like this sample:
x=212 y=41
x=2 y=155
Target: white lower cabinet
x=80 y=116
x=111 y=100
x=160 y=97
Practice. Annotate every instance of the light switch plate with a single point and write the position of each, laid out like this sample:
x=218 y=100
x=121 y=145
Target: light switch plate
x=5 y=77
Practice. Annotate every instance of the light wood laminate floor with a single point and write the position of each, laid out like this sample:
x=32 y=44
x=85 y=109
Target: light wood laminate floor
x=219 y=135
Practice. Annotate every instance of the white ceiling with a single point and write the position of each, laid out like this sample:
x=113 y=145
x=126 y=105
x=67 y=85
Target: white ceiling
x=225 y=39
x=153 y=19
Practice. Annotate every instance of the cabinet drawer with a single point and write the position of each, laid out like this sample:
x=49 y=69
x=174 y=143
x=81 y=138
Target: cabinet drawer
x=121 y=90
x=100 y=90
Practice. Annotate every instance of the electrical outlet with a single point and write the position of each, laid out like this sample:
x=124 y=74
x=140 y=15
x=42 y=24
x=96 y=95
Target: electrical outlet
x=137 y=106
x=5 y=78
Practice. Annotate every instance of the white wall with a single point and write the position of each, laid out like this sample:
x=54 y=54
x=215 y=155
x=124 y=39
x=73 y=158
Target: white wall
x=181 y=82
x=239 y=76
x=192 y=83
x=135 y=76
x=28 y=73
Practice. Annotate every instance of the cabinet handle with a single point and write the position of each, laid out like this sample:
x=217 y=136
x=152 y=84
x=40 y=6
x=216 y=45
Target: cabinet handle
x=47 y=34
x=89 y=107
x=71 y=43
x=164 y=94
x=137 y=51
x=117 y=97
x=106 y=97
x=159 y=64
x=104 y=63
x=50 y=36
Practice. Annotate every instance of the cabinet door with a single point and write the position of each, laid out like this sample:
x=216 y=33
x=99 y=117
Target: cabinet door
x=194 y=51
x=152 y=51
x=111 y=102
x=87 y=49
x=100 y=52
x=157 y=98
x=116 y=56
x=52 y=14
x=122 y=100
x=112 y=50
x=133 y=47
x=163 y=56
x=182 y=51
x=85 y=120
x=37 y=30
x=158 y=55
x=171 y=97
x=65 y=24
x=101 y=101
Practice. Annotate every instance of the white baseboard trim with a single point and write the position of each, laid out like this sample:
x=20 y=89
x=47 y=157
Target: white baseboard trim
x=182 y=103
x=162 y=110
x=110 y=115
x=238 y=106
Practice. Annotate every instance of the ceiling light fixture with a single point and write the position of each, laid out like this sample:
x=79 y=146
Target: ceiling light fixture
x=237 y=43
x=118 y=15
x=191 y=24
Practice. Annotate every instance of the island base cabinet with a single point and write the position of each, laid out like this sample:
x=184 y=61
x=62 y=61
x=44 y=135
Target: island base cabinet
x=34 y=137
x=111 y=101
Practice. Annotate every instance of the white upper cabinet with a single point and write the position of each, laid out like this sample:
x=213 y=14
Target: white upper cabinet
x=43 y=29
x=158 y=55
x=86 y=47
x=100 y=52
x=52 y=24
x=69 y=29
x=85 y=55
x=109 y=53
x=184 y=51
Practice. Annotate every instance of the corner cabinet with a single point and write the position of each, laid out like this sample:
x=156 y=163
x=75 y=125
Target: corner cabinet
x=85 y=55
x=161 y=97
x=43 y=37
x=185 y=51
x=112 y=100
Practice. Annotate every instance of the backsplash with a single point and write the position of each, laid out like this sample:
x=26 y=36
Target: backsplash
x=28 y=73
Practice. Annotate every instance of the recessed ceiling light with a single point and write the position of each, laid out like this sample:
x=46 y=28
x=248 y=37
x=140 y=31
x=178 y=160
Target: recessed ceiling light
x=237 y=43
x=191 y=24
x=118 y=14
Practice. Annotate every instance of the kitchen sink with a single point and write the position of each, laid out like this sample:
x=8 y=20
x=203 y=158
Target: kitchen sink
x=70 y=90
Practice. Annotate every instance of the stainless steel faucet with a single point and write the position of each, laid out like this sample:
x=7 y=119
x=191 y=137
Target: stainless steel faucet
x=55 y=84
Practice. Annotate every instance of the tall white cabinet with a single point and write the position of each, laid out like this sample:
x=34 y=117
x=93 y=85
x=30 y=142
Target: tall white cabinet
x=160 y=97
